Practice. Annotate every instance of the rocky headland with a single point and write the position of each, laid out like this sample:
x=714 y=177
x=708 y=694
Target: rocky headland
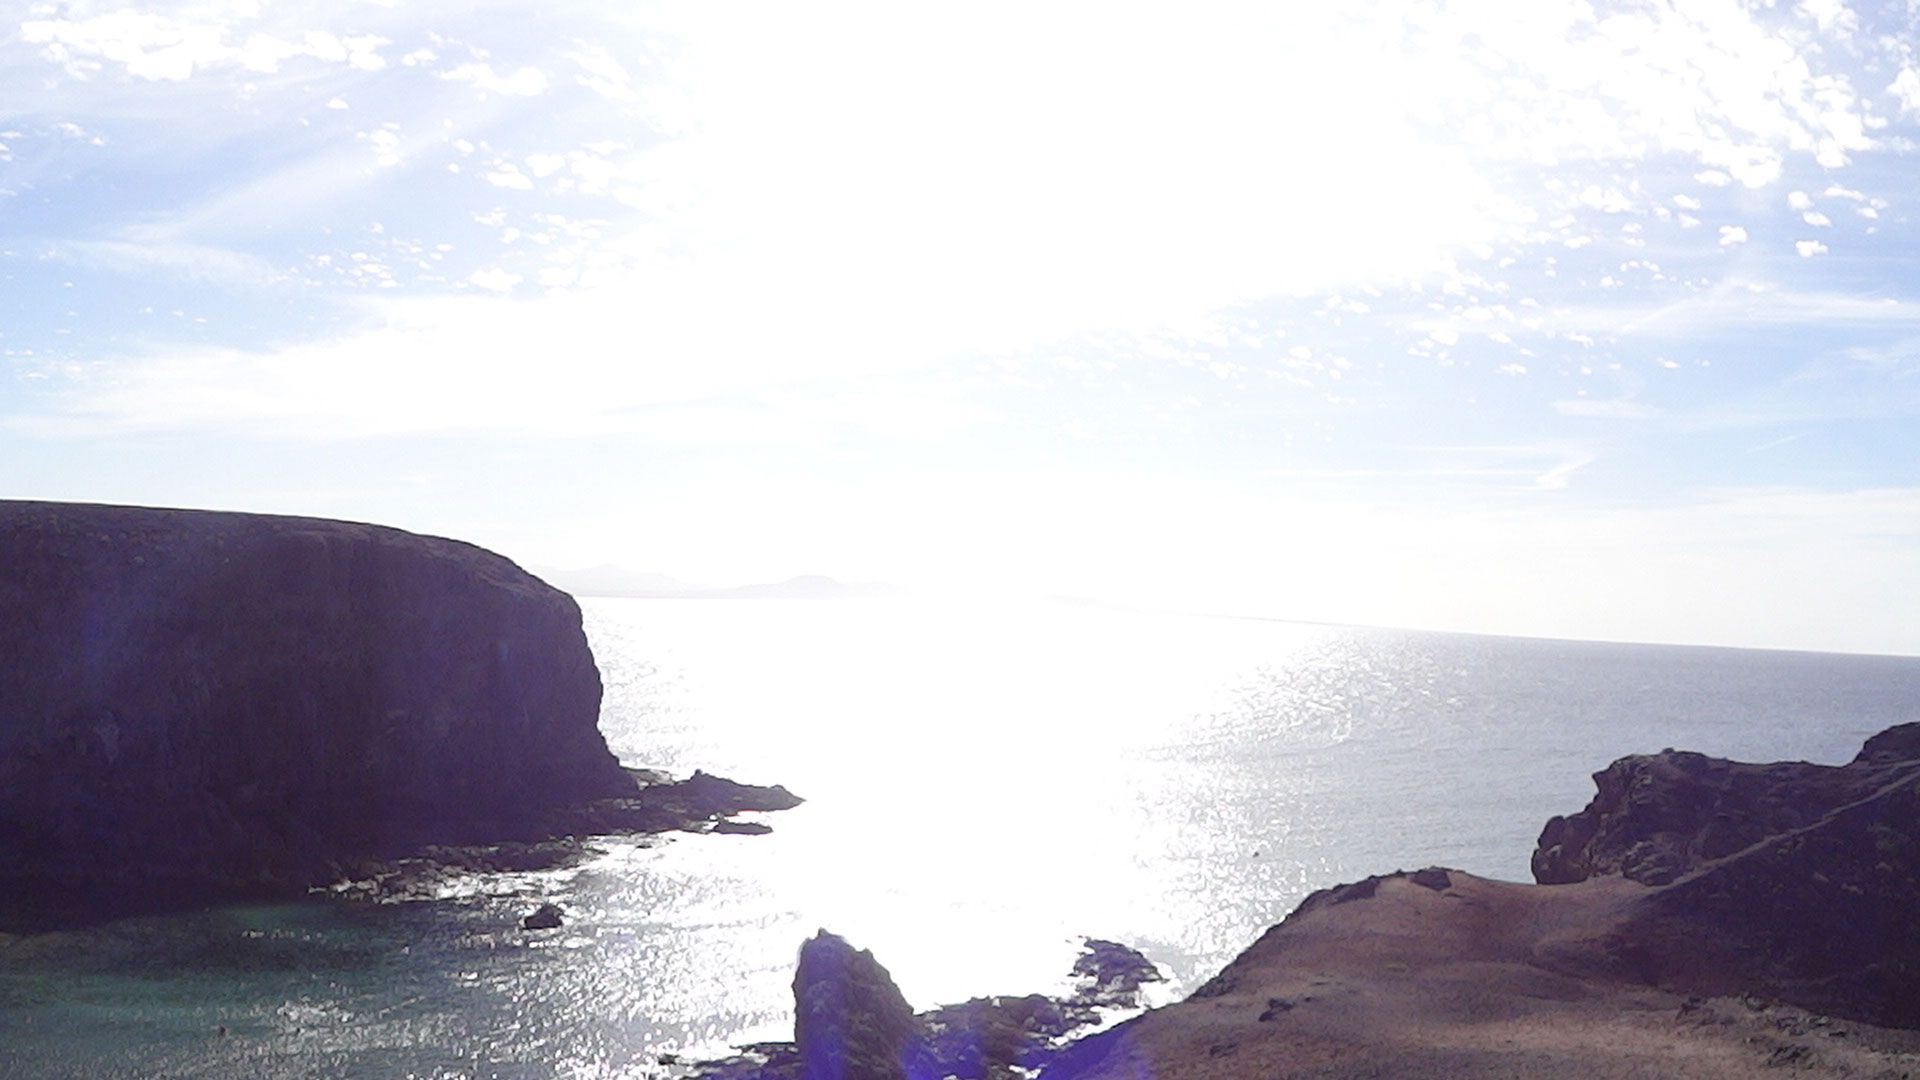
x=197 y=706
x=1699 y=918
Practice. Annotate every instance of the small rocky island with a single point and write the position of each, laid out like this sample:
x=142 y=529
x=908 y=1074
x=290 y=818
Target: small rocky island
x=200 y=706
x=1699 y=918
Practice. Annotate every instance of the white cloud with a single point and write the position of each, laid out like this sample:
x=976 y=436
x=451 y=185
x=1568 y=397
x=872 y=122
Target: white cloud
x=1815 y=217
x=1558 y=477
x=494 y=279
x=508 y=176
x=146 y=253
x=1831 y=15
x=523 y=82
x=545 y=165
x=1905 y=89
x=1713 y=178
x=1809 y=248
x=602 y=74
x=1732 y=234
x=1799 y=200
x=1686 y=202
x=167 y=48
x=386 y=145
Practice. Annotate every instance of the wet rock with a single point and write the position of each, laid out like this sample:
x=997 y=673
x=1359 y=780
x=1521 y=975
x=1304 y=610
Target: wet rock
x=850 y=1020
x=729 y=827
x=1111 y=975
x=546 y=917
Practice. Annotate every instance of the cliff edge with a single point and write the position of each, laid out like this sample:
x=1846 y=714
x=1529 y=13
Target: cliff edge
x=196 y=704
x=1700 y=918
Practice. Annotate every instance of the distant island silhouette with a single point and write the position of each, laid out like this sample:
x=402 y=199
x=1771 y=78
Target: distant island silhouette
x=608 y=580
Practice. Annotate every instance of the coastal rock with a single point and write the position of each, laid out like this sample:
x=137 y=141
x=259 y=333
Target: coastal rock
x=850 y=1022
x=1111 y=975
x=1746 y=959
x=546 y=917
x=1656 y=817
x=197 y=705
x=1826 y=917
x=701 y=803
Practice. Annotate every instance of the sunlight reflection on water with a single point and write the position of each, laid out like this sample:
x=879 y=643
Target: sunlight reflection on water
x=986 y=785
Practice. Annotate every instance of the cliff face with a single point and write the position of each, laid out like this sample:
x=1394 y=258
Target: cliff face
x=1823 y=915
x=198 y=703
x=1655 y=817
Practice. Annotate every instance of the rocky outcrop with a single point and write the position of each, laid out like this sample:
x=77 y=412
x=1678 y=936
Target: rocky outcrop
x=1826 y=916
x=850 y=1022
x=1795 y=880
x=200 y=704
x=1658 y=816
x=1715 y=919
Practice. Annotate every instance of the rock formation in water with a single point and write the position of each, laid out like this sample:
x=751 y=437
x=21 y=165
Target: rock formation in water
x=197 y=705
x=850 y=1022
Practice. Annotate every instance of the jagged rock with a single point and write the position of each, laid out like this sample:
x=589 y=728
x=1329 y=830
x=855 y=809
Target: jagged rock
x=1826 y=917
x=702 y=802
x=989 y=1038
x=850 y=1022
x=546 y=917
x=1112 y=975
x=1793 y=880
x=728 y=827
x=196 y=705
x=1656 y=817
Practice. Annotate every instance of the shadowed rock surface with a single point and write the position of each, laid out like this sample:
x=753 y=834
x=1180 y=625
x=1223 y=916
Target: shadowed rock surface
x=199 y=705
x=1658 y=816
x=850 y=1022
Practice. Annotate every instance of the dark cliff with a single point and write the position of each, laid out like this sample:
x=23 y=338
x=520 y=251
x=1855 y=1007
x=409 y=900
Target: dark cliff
x=198 y=704
x=1794 y=880
x=1655 y=817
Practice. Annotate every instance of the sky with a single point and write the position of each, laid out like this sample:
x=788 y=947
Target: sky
x=1545 y=318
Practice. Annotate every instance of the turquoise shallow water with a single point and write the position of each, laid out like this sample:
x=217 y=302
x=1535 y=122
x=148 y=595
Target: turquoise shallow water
x=987 y=783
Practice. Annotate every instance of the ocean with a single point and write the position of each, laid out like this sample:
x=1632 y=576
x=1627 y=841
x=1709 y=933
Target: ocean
x=987 y=782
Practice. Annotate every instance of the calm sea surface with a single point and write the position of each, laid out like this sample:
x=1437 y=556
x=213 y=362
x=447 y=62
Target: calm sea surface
x=987 y=784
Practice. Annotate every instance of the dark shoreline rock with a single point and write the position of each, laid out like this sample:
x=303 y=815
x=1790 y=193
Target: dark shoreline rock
x=851 y=1022
x=661 y=806
x=545 y=917
x=199 y=706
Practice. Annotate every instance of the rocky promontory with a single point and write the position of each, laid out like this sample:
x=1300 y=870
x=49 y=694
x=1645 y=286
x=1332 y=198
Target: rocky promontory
x=199 y=705
x=1705 y=918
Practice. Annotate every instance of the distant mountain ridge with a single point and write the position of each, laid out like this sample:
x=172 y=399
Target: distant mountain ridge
x=615 y=581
